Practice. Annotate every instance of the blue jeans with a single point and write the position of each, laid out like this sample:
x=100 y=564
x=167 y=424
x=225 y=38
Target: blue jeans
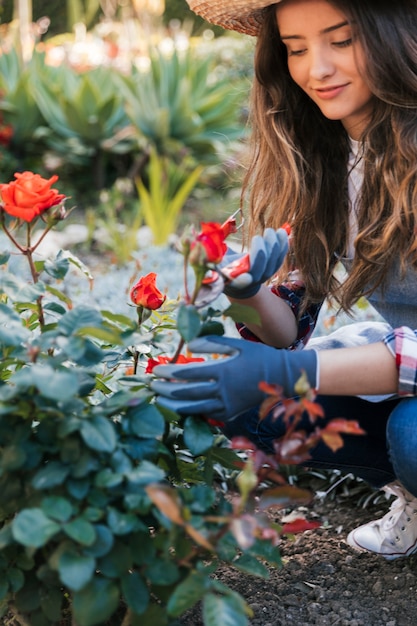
x=388 y=450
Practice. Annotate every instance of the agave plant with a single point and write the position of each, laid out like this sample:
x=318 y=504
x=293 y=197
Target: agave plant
x=177 y=107
x=84 y=114
x=18 y=103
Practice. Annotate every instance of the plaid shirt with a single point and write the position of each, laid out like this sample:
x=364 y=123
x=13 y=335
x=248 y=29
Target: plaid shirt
x=402 y=343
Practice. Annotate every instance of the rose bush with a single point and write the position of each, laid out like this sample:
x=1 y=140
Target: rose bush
x=109 y=505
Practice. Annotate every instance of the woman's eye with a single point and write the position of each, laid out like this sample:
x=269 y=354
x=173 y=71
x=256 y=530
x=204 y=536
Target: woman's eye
x=295 y=53
x=343 y=44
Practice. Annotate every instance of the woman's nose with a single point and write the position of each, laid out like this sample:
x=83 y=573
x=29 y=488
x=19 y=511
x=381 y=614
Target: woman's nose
x=321 y=64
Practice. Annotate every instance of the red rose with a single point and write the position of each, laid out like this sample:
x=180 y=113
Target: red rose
x=212 y=238
x=164 y=360
x=29 y=195
x=146 y=294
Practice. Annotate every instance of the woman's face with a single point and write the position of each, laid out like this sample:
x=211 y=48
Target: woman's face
x=324 y=59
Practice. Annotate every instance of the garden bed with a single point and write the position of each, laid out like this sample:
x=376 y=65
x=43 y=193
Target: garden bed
x=324 y=582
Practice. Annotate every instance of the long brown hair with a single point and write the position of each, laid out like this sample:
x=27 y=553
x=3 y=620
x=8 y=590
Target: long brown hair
x=298 y=167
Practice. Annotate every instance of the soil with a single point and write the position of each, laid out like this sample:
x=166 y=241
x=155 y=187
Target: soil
x=325 y=582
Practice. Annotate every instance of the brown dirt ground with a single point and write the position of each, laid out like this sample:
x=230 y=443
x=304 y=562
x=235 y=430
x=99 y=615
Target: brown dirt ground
x=324 y=582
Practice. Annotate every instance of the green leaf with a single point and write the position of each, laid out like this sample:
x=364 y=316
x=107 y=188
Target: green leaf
x=251 y=565
x=81 y=531
x=146 y=421
x=103 y=543
x=242 y=313
x=163 y=572
x=198 y=436
x=222 y=610
x=4 y=588
x=4 y=257
x=57 y=508
x=122 y=523
x=51 y=603
x=57 y=268
x=76 y=570
x=117 y=562
x=107 y=478
x=12 y=458
x=188 y=322
x=99 y=434
x=78 y=318
x=18 y=290
x=28 y=598
x=145 y=473
x=52 y=474
x=16 y=578
x=135 y=592
x=55 y=385
x=155 y=615
x=96 y=603
x=187 y=593
x=32 y=528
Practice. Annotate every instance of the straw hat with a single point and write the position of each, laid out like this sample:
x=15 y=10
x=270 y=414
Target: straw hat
x=245 y=16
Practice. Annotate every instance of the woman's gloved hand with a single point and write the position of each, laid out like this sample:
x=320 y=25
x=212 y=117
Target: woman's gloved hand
x=224 y=388
x=267 y=253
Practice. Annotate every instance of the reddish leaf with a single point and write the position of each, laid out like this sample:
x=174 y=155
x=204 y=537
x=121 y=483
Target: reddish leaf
x=332 y=440
x=166 y=500
x=341 y=425
x=313 y=409
x=198 y=537
x=299 y=526
x=242 y=443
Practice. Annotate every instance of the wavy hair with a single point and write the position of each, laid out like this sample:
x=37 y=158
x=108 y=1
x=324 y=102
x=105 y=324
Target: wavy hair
x=298 y=167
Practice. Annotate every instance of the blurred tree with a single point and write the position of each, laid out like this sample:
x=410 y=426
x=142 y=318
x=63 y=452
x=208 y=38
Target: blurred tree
x=54 y=9
x=179 y=10
x=61 y=13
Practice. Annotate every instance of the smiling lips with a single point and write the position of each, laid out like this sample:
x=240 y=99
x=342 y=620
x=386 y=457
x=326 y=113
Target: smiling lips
x=327 y=93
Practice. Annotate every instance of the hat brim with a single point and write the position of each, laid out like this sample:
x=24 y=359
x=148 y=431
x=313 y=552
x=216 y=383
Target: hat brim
x=244 y=16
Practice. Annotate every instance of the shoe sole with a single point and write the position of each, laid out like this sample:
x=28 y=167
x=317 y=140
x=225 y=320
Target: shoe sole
x=388 y=557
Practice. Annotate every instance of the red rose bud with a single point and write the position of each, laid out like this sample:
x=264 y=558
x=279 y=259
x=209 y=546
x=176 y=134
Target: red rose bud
x=164 y=360
x=212 y=238
x=146 y=294
x=198 y=255
x=287 y=228
x=29 y=195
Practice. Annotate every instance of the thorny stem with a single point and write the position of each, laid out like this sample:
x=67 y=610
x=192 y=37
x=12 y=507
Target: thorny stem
x=27 y=251
x=135 y=361
x=185 y=266
x=42 y=237
x=198 y=282
x=178 y=351
x=9 y=234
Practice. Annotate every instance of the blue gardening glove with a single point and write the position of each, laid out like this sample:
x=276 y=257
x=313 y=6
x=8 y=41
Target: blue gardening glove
x=267 y=253
x=224 y=388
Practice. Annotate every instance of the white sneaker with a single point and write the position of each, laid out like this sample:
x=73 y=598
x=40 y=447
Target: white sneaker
x=395 y=534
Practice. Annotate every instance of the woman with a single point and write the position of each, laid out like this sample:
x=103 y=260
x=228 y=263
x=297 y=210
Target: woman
x=334 y=154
